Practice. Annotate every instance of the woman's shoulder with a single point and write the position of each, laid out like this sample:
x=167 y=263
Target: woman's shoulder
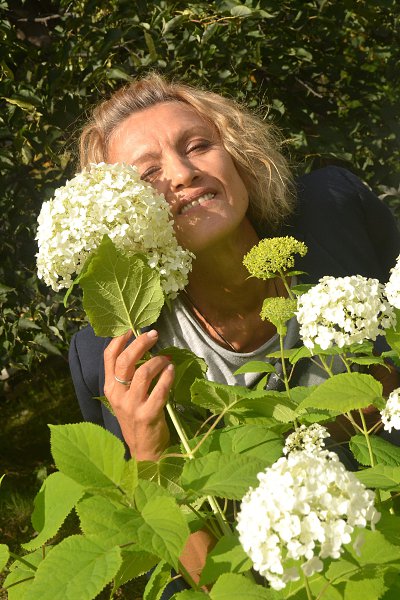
x=347 y=228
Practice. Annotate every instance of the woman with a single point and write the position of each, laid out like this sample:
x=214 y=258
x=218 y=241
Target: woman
x=227 y=184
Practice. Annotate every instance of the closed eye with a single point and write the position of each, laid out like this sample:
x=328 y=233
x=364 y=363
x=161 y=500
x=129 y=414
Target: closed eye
x=150 y=174
x=198 y=145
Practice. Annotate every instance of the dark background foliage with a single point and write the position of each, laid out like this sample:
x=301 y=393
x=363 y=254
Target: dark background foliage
x=325 y=71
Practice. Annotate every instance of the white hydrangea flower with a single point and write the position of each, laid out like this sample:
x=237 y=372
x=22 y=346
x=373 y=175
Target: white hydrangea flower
x=305 y=509
x=343 y=311
x=390 y=415
x=113 y=200
x=309 y=438
x=392 y=288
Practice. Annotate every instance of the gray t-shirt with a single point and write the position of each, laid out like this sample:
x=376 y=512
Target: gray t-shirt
x=178 y=327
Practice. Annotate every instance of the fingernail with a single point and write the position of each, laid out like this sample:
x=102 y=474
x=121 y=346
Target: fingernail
x=152 y=334
x=168 y=356
x=170 y=368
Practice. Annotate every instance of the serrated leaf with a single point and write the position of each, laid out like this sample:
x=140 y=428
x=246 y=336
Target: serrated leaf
x=103 y=519
x=21 y=575
x=251 y=440
x=255 y=366
x=120 y=292
x=162 y=529
x=384 y=452
x=158 y=581
x=134 y=564
x=4 y=556
x=227 y=556
x=89 y=454
x=232 y=586
x=82 y=567
x=345 y=392
x=383 y=477
x=224 y=475
x=241 y=402
x=376 y=549
x=165 y=472
x=188 y=368
x=53 y=503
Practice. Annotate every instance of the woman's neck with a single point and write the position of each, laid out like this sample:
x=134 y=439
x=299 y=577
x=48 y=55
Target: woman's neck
x=225 y=298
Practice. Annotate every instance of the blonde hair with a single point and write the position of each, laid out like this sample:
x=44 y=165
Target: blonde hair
x=252 y=142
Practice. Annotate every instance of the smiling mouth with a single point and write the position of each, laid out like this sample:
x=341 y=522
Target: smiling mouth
x=196 y=202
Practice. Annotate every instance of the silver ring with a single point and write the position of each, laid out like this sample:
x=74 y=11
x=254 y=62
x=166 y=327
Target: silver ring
x=123 y=381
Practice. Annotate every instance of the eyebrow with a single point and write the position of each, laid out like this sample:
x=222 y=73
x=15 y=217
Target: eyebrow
x=196 y=129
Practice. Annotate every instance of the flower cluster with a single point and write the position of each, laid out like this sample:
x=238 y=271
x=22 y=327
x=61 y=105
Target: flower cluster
x=273 y=256
x=392 y=287
x=390 y=415
x=112 y=200
x=306 y=507
x=343 y=311
x=309 y=438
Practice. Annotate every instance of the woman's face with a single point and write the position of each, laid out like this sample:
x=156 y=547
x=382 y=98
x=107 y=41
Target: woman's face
x=181 y=155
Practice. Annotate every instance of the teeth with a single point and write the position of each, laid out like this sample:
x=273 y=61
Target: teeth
x=197 y=201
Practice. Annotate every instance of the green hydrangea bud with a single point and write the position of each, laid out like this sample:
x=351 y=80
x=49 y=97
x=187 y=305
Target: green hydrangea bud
x=278 y=311
x=273 y=256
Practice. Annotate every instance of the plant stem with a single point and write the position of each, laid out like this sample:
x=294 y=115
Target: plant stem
x=371 y=454
x=307 y=586
x=22 y=560
x=213 y=503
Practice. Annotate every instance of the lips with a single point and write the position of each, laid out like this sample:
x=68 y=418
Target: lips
x=197 y=201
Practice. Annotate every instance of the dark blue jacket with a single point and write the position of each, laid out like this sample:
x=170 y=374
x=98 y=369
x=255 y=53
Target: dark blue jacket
x=347 y=230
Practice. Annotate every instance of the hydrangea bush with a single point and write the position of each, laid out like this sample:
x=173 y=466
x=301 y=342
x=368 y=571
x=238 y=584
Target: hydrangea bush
x=296 y=484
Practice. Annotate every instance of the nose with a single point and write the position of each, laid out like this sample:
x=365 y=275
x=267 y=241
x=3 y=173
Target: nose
x=179 y=171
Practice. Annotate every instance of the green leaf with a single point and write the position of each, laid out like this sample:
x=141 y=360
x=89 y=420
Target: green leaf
x=53 y=503
x=130 y=478
x=376 y=549
x=188 y=368
x=255 y=366
x=241 y=402
x=134 y=564
x=21 y=575
x=384 y=452
x=383 y=477
x=241 y=11
x=224 y=475
x=237 y=587
x=4 y=556
x=103 y=519
x=165 y=472
x=162 y=529
x=227 y=556
x=77 y=568
x=88 y=454
x=345 y=392
x=252 y=440
x=159 y=579
x=190 y=595
x=150 y=46
x=119 y=292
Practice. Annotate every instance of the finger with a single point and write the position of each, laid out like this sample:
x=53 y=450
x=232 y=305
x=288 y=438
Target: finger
x=145 y=375
x=159 y=395
x=120 y=359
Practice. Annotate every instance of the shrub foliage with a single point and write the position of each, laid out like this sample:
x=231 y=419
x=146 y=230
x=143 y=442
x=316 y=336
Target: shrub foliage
x=325 y=71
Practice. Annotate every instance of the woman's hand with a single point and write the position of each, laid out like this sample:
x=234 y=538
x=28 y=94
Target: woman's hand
x=139 y=409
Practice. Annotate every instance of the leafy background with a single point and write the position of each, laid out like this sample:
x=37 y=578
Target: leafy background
x=325 y=71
